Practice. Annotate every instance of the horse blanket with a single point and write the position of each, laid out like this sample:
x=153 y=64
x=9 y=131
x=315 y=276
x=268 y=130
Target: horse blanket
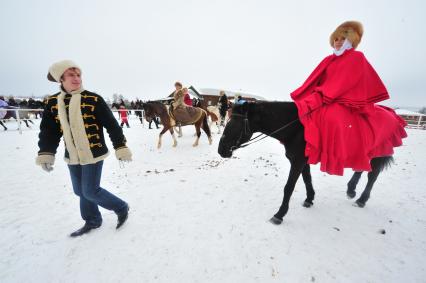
x=186 y=115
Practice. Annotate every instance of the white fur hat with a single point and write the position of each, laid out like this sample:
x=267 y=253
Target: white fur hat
x=58 y=69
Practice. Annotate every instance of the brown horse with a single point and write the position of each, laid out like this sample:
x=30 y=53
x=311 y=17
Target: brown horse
x=153 y=108
x=214 y=114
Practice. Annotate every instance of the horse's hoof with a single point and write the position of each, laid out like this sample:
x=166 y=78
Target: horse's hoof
x=307 y=203
x=359 y=203
x=275 y=220
x=350 y=194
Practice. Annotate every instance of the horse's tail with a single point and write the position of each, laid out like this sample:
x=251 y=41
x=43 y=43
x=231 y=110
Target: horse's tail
x=206 y=125
x=382 y=163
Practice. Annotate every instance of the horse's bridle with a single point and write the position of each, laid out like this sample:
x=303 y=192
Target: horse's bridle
x=244 y=131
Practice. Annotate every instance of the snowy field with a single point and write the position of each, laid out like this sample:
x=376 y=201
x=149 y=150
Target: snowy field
x=195 y=217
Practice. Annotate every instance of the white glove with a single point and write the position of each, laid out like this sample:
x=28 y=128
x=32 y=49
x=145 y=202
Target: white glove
x=46 y=162
x=124 y=154
x=47 y=167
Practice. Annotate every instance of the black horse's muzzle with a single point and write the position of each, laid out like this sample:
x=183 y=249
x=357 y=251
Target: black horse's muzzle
x=224 y=149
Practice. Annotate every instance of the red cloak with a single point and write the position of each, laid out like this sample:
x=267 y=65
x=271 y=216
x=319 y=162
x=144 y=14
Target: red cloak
x=345 y=128
x=187 y=100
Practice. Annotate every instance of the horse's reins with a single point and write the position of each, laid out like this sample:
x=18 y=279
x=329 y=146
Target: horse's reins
x=253 y=140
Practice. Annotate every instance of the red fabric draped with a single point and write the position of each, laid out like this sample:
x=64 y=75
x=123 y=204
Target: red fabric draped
x=187 y=100
x=345 y=128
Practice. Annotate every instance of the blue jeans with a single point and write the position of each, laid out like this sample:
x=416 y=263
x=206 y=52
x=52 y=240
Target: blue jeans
x=86 y=184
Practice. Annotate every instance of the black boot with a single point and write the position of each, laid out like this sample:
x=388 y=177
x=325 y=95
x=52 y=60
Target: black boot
x=122 y=217
x=83 y=230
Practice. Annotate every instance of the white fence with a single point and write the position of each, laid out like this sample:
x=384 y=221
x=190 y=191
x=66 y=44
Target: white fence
x=415 y=122
x=26 y=115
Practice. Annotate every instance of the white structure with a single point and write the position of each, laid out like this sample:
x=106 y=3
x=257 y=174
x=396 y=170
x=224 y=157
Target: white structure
x=214 y=91
x=413 y=119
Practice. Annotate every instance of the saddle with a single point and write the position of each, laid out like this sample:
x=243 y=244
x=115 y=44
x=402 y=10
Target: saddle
x=185 y=115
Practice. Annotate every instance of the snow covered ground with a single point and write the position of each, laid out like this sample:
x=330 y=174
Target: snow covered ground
x=196 y=217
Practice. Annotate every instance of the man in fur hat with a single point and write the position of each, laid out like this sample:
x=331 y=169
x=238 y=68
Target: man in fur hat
x=344 y=128
x=79 y=116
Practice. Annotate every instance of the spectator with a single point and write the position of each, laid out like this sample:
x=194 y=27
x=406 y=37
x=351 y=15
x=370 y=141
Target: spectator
x=123 y=116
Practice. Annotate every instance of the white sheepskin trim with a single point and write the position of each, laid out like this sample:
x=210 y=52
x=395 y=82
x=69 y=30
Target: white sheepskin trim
x=123 y=153
x=45 y=158
x=95 y=160
x=66 y=130
x=78 y=130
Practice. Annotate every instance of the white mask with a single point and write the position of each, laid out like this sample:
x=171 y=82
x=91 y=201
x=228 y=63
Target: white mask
x=346 y=45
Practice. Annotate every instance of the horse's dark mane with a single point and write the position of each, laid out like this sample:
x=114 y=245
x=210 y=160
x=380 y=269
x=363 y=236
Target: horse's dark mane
x=275 y=106
x=157 y=106
x=154 y=102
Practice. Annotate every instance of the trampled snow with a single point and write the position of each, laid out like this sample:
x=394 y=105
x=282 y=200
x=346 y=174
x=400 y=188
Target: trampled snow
x=195 y=217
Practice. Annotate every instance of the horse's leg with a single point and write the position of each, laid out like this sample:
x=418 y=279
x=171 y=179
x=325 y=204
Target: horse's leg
x=179 y=131
x=206 y=128
x=26 y=123
x=165 y=128
x=352 y=184
x=173 y=136
x=307 y=179
x=1 y=123
x=295 y=170
x=376 y=167
x=198 y=131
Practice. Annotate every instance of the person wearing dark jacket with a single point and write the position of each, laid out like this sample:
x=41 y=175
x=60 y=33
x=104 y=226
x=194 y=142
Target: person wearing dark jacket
x=79 y=116
x=223 y=106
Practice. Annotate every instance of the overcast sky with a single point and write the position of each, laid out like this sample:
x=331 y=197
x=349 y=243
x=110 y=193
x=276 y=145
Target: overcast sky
x=140 y=48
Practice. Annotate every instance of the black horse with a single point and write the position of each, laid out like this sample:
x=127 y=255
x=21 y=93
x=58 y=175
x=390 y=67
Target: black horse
x=280 y=120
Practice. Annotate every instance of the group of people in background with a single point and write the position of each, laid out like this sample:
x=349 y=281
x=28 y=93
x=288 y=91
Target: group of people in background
x=124 y=109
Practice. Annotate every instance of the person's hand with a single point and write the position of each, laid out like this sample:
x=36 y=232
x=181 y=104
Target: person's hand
x=47 y=167
x=123 y=154
x=46 y=162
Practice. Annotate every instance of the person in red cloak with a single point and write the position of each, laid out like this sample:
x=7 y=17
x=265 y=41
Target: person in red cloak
x=344 y=128
x=187 y=99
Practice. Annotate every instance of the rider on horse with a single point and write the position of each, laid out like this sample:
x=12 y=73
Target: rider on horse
x=344 y=128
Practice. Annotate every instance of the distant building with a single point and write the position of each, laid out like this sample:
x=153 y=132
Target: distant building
x=210 y=96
